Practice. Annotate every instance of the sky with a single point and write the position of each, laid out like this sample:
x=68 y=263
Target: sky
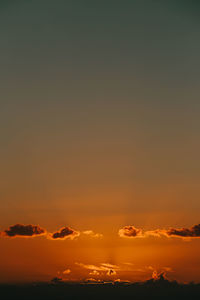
x=99 y=126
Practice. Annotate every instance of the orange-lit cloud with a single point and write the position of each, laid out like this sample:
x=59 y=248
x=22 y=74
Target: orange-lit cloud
x=67 y=271
x=91 y=267
x=64 y=233
x=130 y=232
x=156 y=276
x=21 y=230
x=92 y=234
x=185 y=233
x=105 y=268
x=194 y=231
x=94 y=272
x=93 y=280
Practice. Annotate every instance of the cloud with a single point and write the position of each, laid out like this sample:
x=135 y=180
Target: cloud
x=64 y=233
x=161 y=271
x=107 y=265
x=92 y=234
x=56 y=280
x=156 y=276
x=91 y=267
x=155 y=233
x=118 y=280
x=111 y=272
x=184 y=233
x=104 y=268
x=92 y=280
x=194 y=231
x=66 y=272
x=130 y=232
x=128 y=263
x=95 y=273
x=21 y=230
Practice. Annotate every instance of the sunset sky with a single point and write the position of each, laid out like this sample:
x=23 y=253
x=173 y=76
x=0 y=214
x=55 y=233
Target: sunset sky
x=99 y=126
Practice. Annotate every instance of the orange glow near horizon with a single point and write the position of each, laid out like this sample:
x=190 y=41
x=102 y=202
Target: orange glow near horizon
x=91 y=257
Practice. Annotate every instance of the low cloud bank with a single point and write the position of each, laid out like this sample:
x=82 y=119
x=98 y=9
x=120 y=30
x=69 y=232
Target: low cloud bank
x=28 y=231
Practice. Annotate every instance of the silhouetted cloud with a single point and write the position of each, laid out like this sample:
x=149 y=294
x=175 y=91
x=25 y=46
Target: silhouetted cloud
x=56 y=280
x=64 y=233
x=21 y=230
x=130 y=232
x=111 y=272
x=194 y=231
x=185 y=233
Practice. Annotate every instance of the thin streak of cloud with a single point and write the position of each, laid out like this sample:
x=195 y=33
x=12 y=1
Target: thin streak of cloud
x=67 y=271
x=105 y=268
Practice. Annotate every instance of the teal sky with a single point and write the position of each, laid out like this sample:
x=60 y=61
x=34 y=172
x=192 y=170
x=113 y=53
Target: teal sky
x=99 y=111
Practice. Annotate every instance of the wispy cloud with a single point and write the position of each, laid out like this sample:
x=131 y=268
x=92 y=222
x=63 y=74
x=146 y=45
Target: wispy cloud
x=67 y=271
x=94 y=273
x=105 y=268
x=92 y=234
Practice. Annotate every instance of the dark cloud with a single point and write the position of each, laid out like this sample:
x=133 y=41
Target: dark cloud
x=64 y=233
x=56 y=279
x=111 y=272
x=194 y=231
x=23 y=230
x=130 y=232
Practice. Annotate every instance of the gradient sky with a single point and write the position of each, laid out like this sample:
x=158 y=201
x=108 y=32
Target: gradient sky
x=99 y=126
